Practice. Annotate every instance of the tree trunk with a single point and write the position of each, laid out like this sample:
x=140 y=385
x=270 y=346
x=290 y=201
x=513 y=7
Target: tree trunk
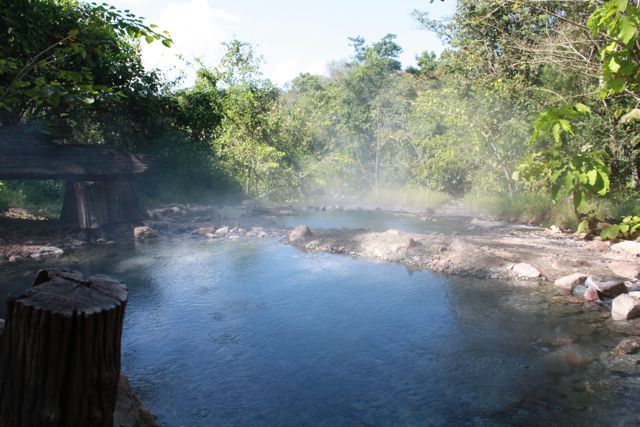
x=60 y=352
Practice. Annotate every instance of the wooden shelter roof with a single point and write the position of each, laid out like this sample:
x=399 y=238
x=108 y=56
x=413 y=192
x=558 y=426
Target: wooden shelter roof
x=29 y=153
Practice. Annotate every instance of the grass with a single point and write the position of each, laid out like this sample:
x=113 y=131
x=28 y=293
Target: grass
x=530 y=207
x=408 y=198
x=38 y=197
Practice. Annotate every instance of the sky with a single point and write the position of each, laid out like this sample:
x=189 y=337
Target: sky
x=292 y=36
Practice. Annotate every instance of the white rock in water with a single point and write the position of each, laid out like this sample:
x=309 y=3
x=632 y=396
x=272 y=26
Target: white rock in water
x=625 y=307
x=300 y=232
x=144 y=232
x=628 y=246
x=45 y=251
x=567 y=283
x=526 y=270
x=630 y=270
x=222 y=231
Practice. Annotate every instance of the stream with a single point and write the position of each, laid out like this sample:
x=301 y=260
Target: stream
x=255 y=332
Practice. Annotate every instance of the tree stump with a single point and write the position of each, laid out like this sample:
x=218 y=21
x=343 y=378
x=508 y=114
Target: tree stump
x=60 y=351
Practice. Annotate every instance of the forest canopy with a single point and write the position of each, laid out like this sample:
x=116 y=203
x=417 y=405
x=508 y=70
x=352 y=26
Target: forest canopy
x=530 y=111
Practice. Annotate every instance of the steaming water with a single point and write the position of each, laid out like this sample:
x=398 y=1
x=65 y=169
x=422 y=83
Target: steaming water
x=378 y=221
x=254 y=332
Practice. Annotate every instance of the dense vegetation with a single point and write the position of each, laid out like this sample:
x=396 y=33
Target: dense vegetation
x=530 y=112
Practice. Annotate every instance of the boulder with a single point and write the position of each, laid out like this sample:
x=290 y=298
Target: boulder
x=609 y=287
x=628 y=246
x=300 y=232
x=629 y=270
x=566 y=284
x=144 y=232
x=625 y=307
x=525 y=270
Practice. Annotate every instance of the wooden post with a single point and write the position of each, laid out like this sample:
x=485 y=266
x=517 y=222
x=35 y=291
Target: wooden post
x=92 y=204
x=60 y=351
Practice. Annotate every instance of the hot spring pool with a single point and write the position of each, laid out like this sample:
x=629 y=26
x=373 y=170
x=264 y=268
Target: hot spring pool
x=253 y=332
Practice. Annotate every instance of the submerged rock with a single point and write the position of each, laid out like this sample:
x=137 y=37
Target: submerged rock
x=144 y=232
x=300 y=232
x=623 y=358
x=566 y=284
x=626 y=346
x=625 y=307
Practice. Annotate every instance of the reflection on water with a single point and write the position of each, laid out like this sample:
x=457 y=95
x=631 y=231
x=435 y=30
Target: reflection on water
x=256 y=333
x=374 y=220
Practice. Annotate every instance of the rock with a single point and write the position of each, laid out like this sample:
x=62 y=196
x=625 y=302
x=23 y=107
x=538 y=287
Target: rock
x=609 y=287
x=206 y=230
x=626 y=346
x=222 y=231
x=300 y=232
x=14 y=258
x=391 y=245
x=629 y=270
x=526 y=271
x=129 y=411
x=591 y=294
x=579 y=291
x=486 y=224
x=38 y=252
x=144 y=232
x=576 y=355
x=628 y=246
x=627 y=363
x=555 y=229
x=210 y=236
x=77 y=243
x=567 y=283
x=598 y=245
x=625 y=307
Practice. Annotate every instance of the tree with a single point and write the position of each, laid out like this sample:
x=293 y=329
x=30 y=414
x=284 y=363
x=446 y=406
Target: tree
x=85 y=54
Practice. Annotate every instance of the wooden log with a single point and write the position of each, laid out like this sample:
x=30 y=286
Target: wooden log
x=60 y=351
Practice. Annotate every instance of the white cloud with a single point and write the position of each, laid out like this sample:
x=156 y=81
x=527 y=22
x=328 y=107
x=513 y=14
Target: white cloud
x=197 y=29
x=283 y=72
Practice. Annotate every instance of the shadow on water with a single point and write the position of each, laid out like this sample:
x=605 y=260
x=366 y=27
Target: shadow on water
x=254 y=332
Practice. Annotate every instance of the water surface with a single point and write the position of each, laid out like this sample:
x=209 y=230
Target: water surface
x=253 y=332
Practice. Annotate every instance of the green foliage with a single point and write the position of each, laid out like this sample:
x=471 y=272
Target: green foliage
x=616 y=22
x=577 y=171
x=38 y=197
x=628 y=228
x=83 y=54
